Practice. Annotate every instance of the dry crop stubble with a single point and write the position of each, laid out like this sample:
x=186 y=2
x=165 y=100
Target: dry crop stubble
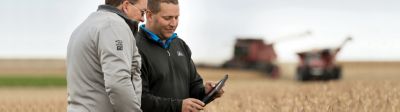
x=248 y=91
x=258 y=94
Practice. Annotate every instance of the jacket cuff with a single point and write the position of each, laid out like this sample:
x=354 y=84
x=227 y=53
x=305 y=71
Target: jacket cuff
x=179 y=105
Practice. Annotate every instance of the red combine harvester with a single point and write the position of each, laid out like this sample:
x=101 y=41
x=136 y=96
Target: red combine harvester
x=254 y=54
x=319 y=64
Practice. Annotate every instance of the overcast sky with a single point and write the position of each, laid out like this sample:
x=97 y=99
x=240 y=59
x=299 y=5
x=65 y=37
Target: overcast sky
x=41 y=28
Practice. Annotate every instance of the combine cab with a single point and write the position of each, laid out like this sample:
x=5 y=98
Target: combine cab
x=254 y=54
x=319 y=64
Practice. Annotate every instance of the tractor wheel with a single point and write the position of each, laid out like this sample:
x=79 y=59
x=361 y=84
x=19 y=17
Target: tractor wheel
x=303 y=74
x=270 y=69
x=337 y=73
x=274 y=73
x=228 y=64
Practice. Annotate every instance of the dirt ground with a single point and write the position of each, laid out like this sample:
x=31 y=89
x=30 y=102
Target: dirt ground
x=364 y=88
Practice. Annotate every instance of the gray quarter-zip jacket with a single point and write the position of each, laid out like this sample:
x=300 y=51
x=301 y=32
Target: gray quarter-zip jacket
x=103 y=64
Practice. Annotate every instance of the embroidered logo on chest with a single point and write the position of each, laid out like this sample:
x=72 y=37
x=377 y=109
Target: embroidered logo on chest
x=179 y=53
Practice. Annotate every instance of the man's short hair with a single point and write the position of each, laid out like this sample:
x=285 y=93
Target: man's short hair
x=154 y=5
x=116 y=3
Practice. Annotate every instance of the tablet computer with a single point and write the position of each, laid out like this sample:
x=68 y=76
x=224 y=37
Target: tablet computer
x=210 y=96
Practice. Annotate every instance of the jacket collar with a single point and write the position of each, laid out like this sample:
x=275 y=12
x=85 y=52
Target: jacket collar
x=131 y=23
x=157 y=39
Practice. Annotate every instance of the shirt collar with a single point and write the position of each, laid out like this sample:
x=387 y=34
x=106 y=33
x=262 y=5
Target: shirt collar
x=157 y=39
x=131 y=23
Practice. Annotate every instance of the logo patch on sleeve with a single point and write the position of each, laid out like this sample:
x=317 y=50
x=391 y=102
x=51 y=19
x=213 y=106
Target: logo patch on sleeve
x=119 y=45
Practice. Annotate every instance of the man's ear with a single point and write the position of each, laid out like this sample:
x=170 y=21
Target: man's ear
x=124 y=6
x=149 y=15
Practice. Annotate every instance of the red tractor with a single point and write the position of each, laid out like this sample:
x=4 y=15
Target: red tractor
x=254 y=54
x=319 y=64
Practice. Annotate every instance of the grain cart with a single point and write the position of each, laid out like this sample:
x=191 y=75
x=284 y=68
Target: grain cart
x=319 y=64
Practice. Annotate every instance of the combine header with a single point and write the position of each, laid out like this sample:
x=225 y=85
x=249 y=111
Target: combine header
x=254 y=54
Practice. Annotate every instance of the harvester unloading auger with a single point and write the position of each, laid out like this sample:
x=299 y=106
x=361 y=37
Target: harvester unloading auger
x=320 y=64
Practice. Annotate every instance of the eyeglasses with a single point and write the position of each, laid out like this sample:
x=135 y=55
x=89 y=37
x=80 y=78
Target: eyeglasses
x=142 y=11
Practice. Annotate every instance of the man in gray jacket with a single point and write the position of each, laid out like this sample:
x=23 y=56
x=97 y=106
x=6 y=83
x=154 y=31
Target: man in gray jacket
x=103 y=63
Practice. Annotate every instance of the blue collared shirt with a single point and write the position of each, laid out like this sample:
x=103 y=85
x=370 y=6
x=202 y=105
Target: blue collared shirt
x=157 y=39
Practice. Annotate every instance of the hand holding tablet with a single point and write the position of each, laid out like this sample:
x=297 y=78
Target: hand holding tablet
x=214 y=91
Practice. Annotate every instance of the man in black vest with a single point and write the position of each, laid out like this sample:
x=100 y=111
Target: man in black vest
x=169 y=77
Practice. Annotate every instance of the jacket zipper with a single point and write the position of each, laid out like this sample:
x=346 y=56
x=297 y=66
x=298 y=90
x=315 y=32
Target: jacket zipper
x=168 y=53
